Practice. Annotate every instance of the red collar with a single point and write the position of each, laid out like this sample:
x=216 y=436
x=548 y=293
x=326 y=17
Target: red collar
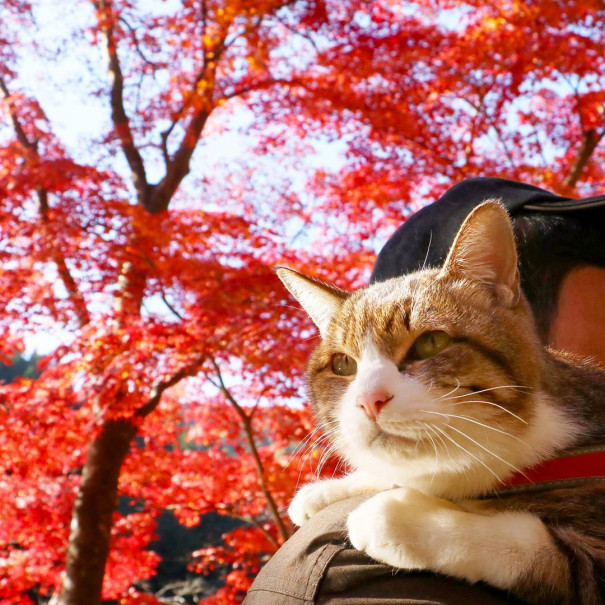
x=577 y=464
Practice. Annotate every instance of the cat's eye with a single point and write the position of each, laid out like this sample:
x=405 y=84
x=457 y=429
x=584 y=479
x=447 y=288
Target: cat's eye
x=430 y=343
x=343 y=365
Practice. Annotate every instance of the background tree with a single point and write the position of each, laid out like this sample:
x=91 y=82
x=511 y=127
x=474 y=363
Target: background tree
x=216 y=140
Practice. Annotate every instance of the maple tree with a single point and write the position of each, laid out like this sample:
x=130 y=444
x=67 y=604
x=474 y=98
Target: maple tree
x=148 y=252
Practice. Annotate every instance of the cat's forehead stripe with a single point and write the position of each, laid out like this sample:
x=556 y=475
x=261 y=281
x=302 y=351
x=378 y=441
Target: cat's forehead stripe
x=352 y=329
x=384 y=309
x=407 y=312
x=392 y=315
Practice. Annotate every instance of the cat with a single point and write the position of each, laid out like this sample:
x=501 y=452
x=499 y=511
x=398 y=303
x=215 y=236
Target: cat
x=435 y=388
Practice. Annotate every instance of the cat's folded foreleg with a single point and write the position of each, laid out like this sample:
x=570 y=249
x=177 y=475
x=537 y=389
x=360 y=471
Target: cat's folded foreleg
x=513 y=551
x=313 y=497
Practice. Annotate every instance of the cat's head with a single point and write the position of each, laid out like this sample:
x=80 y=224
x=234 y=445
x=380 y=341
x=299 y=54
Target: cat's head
x=433 y=373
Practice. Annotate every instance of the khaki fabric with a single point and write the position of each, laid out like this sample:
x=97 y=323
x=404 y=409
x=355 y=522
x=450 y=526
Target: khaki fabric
x=316 y=566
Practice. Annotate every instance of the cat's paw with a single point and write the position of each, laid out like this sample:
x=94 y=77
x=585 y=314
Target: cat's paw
x=313 y=497
x=400 y=527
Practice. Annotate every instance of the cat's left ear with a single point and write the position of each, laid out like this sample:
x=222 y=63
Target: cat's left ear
x=484 y=250
x=321 y=301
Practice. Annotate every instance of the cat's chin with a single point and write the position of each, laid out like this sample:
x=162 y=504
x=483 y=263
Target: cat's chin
x=392 y=459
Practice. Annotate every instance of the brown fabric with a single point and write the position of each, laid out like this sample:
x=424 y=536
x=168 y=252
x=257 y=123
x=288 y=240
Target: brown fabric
x=316 y=566
x=294 y=573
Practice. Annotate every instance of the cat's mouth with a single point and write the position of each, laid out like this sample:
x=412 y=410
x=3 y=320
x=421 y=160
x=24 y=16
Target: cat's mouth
x=389 y=437
x=402 y=435
x=384 y=435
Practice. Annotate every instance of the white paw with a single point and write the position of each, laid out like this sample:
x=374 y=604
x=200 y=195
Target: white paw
x=406 y=529
x=400 y=527
x=373 y=529
x=313 y=497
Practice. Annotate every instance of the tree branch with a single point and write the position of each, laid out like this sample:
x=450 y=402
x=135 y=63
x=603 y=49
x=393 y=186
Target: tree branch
x=204 y=20
x=590 y=137
x=21 y=136
x=261 y=85
x=246 y=421
x=135 y=41
x=156 y=394
x=88 y=545
x=118 y=113
x=590 y=140
x=230 y=510
x=252 y=521
x=56 y=252
x=292 y=29
x=177 y=166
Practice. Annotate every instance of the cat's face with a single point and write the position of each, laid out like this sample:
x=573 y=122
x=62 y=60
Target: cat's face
x=411 y=367
x=436 y=372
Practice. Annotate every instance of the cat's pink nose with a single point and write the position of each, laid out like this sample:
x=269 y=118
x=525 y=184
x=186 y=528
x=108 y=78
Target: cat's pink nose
x=373 y=401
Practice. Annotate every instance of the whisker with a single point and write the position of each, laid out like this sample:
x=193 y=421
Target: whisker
x=301 y=445
x=341 y=462
x=321 y=440
x=490 y=403
x=487 y=426
x=327 y=449
x=438 y=436
x=452 y=391
x=308 y=453
x=433 y=429
x=325 y=457
x=414 y=294
x=320 y=427
x=305 y=440
x=428 y=248
x=449 y=438
x=502 y=386
x=488 y=451
x=288 y=306
x=436 y=460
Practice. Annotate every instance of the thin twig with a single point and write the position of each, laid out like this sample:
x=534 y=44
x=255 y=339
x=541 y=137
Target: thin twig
x=307 y=37
x=156 y=394
x=136 y=42
x=247 y=424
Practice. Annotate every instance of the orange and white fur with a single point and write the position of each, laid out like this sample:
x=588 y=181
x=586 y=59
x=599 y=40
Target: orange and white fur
x=436 y=383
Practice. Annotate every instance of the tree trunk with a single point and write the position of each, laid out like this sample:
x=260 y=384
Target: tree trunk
x=132 y=281
x=91 y=523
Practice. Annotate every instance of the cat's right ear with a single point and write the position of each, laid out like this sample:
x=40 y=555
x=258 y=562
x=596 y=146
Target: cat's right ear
x=321 y=301
x=484 y=250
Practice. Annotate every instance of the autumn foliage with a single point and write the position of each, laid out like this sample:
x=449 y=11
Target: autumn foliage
x=210 y=141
